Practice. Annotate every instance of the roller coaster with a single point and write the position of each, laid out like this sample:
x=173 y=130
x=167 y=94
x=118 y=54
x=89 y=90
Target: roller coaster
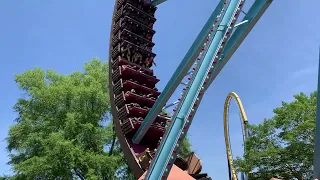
x=245 y=132
x=149 y=138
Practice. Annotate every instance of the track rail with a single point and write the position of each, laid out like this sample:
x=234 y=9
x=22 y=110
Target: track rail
x=244 y=123
x=252 y=16
x=192 y=95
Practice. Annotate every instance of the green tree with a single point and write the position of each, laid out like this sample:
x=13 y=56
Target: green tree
x=63 y=128
x=283 y=146
x=60 y=132
x=185 y=148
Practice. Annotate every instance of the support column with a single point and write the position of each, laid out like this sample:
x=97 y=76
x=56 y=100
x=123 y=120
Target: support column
x=316 y=164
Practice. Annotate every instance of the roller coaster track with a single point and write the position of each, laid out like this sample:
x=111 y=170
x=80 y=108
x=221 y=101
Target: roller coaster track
x=146 y=135
x=192 y=95
x=244 y=122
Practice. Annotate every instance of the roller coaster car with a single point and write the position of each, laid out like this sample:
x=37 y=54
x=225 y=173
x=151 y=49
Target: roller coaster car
x=194 y=164
x=128 y=85
x=136 y=14
x=132 y=37
x=181 y=163
x=134 y=26
x=144 y=158
x=121 y=61
x=131 y=125
x=128 y=49
x=135 y=110
x=143 y=5
x=128 y=73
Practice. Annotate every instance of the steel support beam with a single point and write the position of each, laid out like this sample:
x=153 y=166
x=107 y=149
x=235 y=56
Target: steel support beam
x=171 y=104
x=253 y=15
x=316 y=165
x=240 y=23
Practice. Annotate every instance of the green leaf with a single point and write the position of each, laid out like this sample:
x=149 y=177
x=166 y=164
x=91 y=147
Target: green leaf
x=282 y=146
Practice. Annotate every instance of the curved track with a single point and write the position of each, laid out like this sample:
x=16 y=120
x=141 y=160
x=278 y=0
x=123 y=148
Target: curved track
x=135 y=100
x=120 y=69
x=244 y=122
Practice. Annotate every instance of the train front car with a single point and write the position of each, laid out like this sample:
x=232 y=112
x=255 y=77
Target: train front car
x=132 y=86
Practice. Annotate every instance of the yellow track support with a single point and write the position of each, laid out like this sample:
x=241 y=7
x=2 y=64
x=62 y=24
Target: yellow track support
x=226 y=129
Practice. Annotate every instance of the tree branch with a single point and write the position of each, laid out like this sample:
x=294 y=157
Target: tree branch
x=79 y=174
x=294 y=173
x=113 y=141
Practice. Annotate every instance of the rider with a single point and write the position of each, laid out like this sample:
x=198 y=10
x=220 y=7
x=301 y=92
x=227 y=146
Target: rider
x=126 y=53
x=149 y=61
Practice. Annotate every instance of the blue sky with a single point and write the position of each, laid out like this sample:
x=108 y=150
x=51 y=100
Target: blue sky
x=278 y=58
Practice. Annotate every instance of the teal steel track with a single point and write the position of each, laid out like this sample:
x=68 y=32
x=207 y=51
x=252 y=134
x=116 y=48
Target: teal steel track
x=218 y=51
x=166 y=154
x=252 y=16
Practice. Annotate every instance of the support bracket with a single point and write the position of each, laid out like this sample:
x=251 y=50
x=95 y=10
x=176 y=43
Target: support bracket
x=171 y=104
x=241 y=23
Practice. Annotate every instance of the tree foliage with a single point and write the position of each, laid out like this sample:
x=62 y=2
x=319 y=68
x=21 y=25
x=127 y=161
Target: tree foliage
x=59 y=132
x=185 y=148
x=283 y=146
x=63 y=130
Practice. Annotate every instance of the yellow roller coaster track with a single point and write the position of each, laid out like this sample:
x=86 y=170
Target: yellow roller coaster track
x=244 y=122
